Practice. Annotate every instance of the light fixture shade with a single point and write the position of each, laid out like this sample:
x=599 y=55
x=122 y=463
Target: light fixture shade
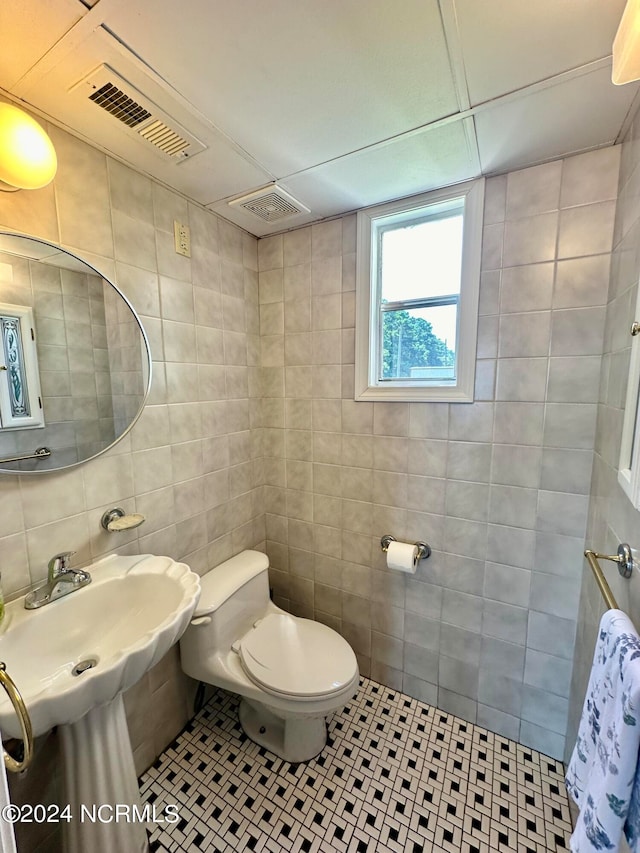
x=626 y=46
x=27 y=156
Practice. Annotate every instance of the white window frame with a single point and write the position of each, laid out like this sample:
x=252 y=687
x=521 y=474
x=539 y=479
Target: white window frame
x=368 y=386
x=629 y=464
x=35 y=420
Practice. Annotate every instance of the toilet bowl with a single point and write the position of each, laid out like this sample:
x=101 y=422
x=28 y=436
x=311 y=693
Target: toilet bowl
x=291 y=673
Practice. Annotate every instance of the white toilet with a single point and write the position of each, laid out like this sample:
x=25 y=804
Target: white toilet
x=290 y=672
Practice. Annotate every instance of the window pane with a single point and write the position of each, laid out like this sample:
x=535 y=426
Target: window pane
x=422 y=259
x=419 y=343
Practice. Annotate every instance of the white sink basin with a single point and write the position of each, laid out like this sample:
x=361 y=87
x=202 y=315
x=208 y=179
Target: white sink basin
x=128 y=617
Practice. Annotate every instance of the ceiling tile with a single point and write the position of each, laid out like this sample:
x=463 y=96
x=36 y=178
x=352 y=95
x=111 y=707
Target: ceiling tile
x=296 y=84
x=410 y=164
x=413 y=163
x=580 y=113
x=508 y=45
x=29 y=28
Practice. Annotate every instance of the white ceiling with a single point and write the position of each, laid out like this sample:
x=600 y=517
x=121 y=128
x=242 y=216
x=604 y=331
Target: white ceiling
x=344 y=103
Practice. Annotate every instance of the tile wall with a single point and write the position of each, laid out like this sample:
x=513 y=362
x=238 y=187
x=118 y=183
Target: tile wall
x=127 y=367
x=75 y=381
x=612 y=518
x=192 y=464
x=499 y=488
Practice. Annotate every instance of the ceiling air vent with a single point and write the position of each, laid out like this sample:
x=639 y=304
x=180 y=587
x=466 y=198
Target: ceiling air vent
x=271 y=204
x=139 y=115
x=114 y=101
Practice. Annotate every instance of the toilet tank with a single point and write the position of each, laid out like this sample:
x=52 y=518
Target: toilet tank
x=234 y=596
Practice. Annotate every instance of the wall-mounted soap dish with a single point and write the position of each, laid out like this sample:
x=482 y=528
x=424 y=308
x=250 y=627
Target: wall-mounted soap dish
x=115 y=520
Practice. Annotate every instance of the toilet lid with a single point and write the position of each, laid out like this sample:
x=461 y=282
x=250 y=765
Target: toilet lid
x=297 y=657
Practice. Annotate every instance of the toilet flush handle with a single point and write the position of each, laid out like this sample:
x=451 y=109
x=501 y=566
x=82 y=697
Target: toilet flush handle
x=201 y=620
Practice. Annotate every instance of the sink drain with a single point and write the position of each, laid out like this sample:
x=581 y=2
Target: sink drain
x=84 y=665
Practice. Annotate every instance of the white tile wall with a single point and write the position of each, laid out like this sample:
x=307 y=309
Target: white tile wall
x=499 y=487
x=612 y=519
x=193 y=463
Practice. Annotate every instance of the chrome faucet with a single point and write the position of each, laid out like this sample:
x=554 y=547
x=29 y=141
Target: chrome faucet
x=61 y=580
x=59 y=564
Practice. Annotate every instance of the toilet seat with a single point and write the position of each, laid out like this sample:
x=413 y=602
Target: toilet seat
x=290 y=656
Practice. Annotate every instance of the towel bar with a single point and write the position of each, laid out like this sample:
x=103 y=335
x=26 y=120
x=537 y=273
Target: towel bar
x=38 y=453
x=624 y=560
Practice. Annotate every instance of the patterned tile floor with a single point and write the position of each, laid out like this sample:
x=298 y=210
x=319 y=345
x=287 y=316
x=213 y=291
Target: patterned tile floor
x=397 y=775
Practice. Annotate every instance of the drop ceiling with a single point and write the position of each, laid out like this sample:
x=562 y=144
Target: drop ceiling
x=343 y=103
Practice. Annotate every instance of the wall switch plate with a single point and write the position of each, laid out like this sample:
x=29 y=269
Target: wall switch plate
x=182 y=237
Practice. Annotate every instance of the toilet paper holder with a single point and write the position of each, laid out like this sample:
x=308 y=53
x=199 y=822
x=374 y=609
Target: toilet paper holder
x=424 y=550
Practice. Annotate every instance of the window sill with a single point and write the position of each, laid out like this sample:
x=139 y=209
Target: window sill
x=413 y=394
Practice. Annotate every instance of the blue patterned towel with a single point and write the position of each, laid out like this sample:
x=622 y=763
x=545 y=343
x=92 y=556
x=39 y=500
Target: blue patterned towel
x=603 y=776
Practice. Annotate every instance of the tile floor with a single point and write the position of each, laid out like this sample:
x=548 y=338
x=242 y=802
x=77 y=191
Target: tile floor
x=397 y=775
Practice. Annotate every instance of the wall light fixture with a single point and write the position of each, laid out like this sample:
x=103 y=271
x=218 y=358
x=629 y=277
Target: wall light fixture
x=626 y=46
x=27 y=156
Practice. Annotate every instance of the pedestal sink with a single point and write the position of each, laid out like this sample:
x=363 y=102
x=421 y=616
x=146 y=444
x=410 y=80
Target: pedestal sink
x=72 y=660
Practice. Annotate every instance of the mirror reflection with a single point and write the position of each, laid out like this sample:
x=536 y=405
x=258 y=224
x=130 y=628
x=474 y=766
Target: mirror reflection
x=74 y=359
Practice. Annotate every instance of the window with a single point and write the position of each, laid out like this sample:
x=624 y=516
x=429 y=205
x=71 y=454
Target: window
x=418 y=276
x=20 y=396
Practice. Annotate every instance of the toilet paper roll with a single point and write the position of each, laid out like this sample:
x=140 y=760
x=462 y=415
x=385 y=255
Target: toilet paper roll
x=402 y=557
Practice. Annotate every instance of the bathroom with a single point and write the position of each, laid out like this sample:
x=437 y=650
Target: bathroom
x=251 y=437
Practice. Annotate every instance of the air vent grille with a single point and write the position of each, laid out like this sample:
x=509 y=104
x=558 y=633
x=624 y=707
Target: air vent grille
x=271 y=204
x=124 y=108
x=271 y=207
x=164 y=138
x=139 y=115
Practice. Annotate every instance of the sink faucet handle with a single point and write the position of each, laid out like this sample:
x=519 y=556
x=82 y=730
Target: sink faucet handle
x=60 y=563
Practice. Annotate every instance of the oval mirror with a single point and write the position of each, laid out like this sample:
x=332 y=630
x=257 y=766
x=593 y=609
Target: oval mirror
x=75 y=366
